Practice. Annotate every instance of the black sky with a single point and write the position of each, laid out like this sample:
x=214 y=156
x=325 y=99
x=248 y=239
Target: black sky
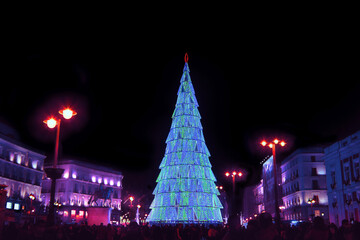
x=298 y=82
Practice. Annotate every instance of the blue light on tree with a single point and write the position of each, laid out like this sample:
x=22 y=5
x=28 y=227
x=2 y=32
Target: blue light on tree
x=186 y=190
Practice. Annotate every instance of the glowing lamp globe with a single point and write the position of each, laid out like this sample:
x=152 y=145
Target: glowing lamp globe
x=51 y=122
x=32 y=197
x=67 y=113
x=263 y=143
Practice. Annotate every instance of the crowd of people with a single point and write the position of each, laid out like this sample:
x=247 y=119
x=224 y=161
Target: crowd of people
x=261 y=228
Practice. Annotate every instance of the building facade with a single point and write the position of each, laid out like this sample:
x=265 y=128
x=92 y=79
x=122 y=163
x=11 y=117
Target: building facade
x=22 y=170
x=258 y=192
x=303 y=180
x=343 y=178
x=79 y=182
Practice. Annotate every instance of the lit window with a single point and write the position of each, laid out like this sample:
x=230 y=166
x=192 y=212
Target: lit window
x=93 y=179
x=66 y=175
x=111 y=182
x=73 y=213
x=16 y=206
x=74 y=175
x=34 y=164
x=118 y=184
x=11 y=157
x=18 y=159
x=105 y=181
x=66 y=213
x=9 y=205
x=99 y=180
x=81 y=213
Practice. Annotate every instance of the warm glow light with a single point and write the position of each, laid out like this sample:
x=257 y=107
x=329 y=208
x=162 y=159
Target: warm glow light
x=138 y=206
x=276 y=141
x=51 y=122
x=234 y=173
x=67 y=113
x=131 y=199
x=221 y=187
x=263 y=143
x=240 y=174
x=283 y=143
x=227 y=174
x=271 y=145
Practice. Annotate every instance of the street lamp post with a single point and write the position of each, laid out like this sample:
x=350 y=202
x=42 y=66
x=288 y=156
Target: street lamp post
x=272 y=145
x=32 y=198
x=131 y=201
x=311 y=201
x=55 y=173
x=233 y=175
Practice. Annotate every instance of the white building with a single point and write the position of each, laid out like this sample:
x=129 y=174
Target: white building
x=343 y=178
x=22 y=170
x=303 y=179
x=79 y=182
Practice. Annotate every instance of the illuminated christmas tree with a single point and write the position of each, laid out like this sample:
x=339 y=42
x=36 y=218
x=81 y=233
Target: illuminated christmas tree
x=186 y=190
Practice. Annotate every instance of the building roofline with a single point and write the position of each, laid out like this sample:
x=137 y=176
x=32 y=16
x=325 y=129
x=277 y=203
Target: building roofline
x=338 y=142
x=87 y=165
x=22 y=145
x=304 y=150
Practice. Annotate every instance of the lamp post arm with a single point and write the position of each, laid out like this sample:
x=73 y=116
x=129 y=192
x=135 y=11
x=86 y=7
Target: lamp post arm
x=56 y=154
x=277 y=213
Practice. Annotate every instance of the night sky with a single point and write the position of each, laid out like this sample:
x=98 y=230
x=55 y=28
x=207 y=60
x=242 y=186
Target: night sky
x=299 y=84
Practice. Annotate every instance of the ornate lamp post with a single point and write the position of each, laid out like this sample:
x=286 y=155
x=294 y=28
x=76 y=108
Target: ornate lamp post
x=233 y=175
x=32 y=198
x=55 y=172
x=272 y=145
x=131 y=201
x=311 y=202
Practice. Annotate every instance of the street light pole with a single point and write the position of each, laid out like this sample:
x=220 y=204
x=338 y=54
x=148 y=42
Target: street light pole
x=56 y=154
x=55 y=173
x=277 y=210
x=272 y=145
x=233 y=184
x=233 y=175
